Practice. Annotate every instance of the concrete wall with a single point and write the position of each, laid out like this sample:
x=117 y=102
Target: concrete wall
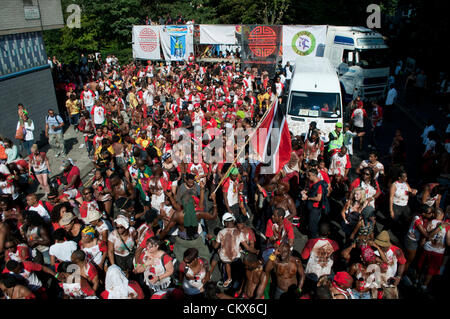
x=36 y=92
x=12 y=16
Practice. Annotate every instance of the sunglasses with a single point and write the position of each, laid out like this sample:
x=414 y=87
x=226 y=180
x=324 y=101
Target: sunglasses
x=120 y=227
x=87 y=193
x=190 y=262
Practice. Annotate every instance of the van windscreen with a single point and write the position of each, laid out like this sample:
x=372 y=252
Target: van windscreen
x=314 y=104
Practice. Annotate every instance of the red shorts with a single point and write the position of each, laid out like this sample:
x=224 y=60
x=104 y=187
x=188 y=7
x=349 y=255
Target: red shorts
x=432 y=260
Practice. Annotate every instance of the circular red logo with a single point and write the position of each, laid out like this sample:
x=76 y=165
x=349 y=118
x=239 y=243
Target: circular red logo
x=262 y=41
x=148 y=40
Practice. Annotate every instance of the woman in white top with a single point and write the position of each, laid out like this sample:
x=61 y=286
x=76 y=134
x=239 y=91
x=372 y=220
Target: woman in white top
x=121 y=244
x=156 y=265
x=399 y=195
x=39 y=162
x=11 y=151
x=28 y=137
x=195 y=272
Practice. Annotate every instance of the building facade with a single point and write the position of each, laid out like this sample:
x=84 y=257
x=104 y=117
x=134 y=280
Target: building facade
x=25 y=75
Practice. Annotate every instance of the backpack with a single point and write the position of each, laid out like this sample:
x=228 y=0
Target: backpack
x=56 y=118
x=324 y=205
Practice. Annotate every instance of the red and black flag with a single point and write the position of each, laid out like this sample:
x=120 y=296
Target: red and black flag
x=271 y=143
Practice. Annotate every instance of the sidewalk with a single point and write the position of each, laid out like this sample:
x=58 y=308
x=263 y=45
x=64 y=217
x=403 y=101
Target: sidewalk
x=79 y=156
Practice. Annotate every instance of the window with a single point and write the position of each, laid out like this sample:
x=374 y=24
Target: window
x=373 y=58
x=314 y=104
x=27 y=2
x=345 y=57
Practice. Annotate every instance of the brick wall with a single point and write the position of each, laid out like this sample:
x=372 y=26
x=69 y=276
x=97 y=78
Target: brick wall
x=36 y=92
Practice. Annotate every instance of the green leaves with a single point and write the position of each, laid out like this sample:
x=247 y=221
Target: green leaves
x=107 y=24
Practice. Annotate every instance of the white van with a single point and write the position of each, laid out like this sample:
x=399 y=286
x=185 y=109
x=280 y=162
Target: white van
x=314 y=95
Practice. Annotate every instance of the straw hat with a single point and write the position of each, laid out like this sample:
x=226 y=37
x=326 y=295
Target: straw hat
x=92 y=215
x=383 y=239
x=66 y=219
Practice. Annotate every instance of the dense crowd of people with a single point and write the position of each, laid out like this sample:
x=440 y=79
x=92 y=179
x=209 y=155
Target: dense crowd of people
x=150 y=223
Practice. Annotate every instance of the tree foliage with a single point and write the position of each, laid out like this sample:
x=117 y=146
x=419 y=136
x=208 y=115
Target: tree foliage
x=106 y=24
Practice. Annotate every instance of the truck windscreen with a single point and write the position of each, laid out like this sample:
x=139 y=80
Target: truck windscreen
x=373 y=58
x=313 y=104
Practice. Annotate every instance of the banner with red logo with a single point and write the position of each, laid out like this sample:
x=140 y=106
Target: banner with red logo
x=146 y=42
x=261 y=47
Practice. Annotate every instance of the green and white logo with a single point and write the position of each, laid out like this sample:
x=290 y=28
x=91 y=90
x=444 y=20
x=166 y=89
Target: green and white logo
x=303 y=43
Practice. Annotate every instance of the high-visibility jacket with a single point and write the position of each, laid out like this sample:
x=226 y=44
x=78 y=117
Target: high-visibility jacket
x=337 y=142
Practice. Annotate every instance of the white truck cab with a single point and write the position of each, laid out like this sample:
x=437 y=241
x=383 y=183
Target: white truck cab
x=314 y=95
x=360 y=58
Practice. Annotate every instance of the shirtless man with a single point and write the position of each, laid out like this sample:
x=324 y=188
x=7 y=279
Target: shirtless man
x=265 y=184
x=255 y=280
x=121 y=189
x=124 y=127
x=286 y=268
x=284 y=201
x=185 y=238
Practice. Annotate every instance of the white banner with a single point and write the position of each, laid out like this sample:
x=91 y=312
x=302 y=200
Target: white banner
x=146 y=42
x=303 y=40
x=177 y=41
x=217 y=34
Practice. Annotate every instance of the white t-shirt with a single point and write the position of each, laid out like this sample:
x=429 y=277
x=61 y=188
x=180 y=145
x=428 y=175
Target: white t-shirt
x=63 y=251
x=99 y=114
x=401 y=194
x=119 y=247
x=225 y=238
x=320 y=261
x=8 y=189
x=88 y=98
x=148 y=98
x=378 y=165
x=232 y=193
x=41 y=211
x=93 y=254
x=288 y=74
x=339 y=164
x=4 y=169
x=358 y=117
x=437 y=243
x=29 y=130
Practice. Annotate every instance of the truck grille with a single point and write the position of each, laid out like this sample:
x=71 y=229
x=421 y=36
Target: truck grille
x=375 y=81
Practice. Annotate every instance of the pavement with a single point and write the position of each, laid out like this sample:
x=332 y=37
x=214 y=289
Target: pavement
x=72 y=140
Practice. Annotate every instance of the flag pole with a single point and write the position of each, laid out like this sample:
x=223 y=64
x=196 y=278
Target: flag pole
x=243 y=148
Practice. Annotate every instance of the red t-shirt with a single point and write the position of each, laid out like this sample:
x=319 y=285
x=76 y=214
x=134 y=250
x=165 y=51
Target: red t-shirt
x=69 y=175
x=287 y=230
x=91 y=271
x=148 y=234
x=319 y=191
